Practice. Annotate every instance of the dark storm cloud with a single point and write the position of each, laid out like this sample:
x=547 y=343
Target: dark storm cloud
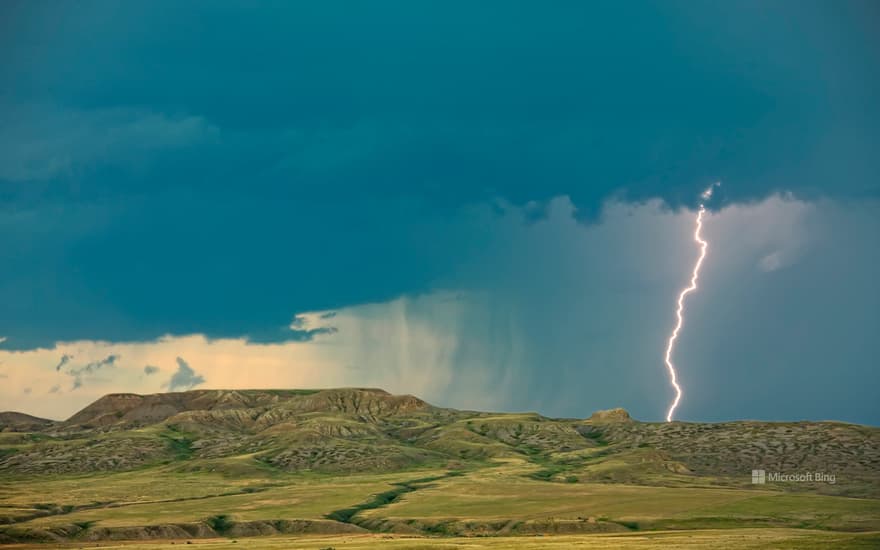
x=260 y=160
x=160 y=178
x=44 y=143
x=184 y=378
x=224 y=266
x=477 y=106
x=575 y=318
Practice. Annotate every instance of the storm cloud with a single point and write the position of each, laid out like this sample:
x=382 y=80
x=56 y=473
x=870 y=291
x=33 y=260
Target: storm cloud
x=361 y=179
x=496 y=215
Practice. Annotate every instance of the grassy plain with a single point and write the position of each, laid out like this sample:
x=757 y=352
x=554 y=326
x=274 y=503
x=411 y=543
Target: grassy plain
x=502 y=492
x=732 y=539
x=163 y=495
x=501 y=497
x=356 y=468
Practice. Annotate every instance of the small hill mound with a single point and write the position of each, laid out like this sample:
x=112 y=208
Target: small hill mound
x=611 y=415
x=11 y=421
x=129 y=409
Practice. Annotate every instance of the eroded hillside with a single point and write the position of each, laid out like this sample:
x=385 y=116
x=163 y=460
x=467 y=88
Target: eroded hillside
x=363 y=459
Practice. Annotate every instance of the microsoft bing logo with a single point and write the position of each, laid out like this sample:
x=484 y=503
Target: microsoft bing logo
x=759 y=477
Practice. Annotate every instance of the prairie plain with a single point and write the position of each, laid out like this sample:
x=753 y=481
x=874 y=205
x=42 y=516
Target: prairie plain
x=358 y=468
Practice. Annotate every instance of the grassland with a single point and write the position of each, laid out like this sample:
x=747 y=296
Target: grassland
x=498 y=498
x=358 y=468
x=737 y=539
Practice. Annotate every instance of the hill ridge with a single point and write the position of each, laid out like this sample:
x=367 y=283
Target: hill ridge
x=351 y=430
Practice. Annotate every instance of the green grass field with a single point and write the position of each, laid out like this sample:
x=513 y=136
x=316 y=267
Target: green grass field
x=501 y=497
x=502 y=493
x=733 y=539
x=161 y=495
x=358 y=466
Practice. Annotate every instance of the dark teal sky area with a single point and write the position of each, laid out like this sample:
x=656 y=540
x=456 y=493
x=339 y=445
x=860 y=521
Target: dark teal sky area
x=218 y=167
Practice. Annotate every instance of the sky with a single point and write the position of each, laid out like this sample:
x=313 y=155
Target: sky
x=490 y=205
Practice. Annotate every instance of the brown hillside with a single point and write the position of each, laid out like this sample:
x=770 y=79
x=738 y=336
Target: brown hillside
x=11 y=421
x=128 y=409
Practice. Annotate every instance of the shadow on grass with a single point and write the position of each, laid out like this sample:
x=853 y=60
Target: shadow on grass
x=347 y=515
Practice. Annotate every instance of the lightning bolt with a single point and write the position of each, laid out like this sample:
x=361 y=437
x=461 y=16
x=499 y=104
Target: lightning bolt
x=707 y=194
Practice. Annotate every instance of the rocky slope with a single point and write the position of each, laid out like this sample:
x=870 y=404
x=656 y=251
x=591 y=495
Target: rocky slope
x=130 y=410
x=362 y=430
x=20 y=422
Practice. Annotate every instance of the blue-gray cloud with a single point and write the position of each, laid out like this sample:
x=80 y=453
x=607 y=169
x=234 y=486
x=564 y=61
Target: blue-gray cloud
x=94 y=366
x=64 y=360
x=400 y=125
x=293 y=190
x=81 y=373
x=297 y=331
x=574 y=318
x=283 y=187
x=43 y=143
x=184 y=378
x=151 y=369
